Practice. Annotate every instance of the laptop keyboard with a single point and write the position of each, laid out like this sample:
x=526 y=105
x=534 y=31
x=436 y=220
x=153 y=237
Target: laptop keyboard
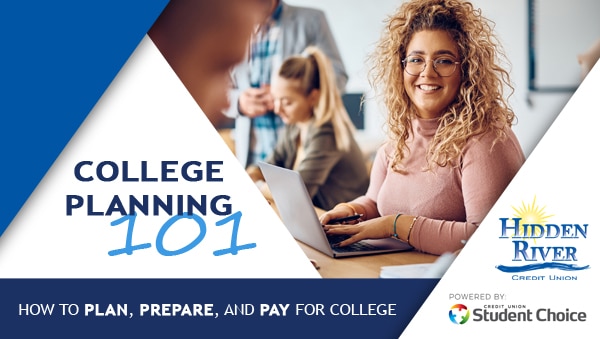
x=357 y=246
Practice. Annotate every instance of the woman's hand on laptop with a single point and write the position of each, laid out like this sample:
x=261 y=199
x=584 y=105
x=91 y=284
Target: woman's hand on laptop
x=333 y=214
x=375 y=228
x=340 y=211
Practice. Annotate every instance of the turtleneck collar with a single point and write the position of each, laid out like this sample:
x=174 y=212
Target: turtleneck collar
x=425 y=127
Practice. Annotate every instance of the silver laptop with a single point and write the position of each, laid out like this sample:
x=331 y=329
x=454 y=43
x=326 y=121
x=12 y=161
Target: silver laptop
x=299 y=216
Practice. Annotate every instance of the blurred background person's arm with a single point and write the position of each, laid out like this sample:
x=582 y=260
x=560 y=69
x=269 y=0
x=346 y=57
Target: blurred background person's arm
x=191 y=35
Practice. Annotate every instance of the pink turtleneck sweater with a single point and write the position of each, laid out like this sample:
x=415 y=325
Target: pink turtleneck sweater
x=449 y=203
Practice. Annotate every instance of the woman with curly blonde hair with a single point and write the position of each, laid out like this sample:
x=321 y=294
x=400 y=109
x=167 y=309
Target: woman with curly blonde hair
x=451 y=151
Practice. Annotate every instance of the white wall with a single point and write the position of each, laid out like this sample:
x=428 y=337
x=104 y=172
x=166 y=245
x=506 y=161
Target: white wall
x=356 y=25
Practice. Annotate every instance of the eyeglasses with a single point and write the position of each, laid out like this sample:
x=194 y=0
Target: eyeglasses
x=443 y=66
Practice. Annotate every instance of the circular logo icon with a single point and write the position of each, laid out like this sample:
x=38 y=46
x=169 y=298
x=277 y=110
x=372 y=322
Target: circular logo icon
x=459 y=314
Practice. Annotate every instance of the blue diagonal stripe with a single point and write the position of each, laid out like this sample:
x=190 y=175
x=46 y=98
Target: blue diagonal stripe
x=56 y=60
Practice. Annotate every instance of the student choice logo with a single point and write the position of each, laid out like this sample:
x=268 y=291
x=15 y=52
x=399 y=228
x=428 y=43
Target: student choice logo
x=538 y=244
x=459 y=314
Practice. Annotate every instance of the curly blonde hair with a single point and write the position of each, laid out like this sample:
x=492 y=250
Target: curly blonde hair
x=479 y=107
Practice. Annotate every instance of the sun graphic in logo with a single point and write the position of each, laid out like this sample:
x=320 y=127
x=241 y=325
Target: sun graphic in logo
x=530 y=214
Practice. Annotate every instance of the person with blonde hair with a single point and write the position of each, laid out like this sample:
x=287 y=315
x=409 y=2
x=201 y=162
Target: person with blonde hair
x=317 y=140
x=288 y=30
x=451 y=150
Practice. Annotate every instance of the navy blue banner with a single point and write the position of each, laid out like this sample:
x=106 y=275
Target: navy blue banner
x=210 y=308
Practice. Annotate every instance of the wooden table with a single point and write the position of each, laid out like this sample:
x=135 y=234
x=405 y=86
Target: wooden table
x=367 y=266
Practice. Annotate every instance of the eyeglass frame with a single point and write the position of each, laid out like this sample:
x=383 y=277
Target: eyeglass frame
x=405 y=60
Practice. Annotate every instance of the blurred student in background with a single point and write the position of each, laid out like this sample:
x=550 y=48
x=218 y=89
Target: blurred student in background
x=287 y=31
x=317 y=140
x=202 y=40
x=451 y=150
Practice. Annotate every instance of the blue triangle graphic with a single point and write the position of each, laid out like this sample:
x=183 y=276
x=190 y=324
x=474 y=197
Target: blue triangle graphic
x=58 y=58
